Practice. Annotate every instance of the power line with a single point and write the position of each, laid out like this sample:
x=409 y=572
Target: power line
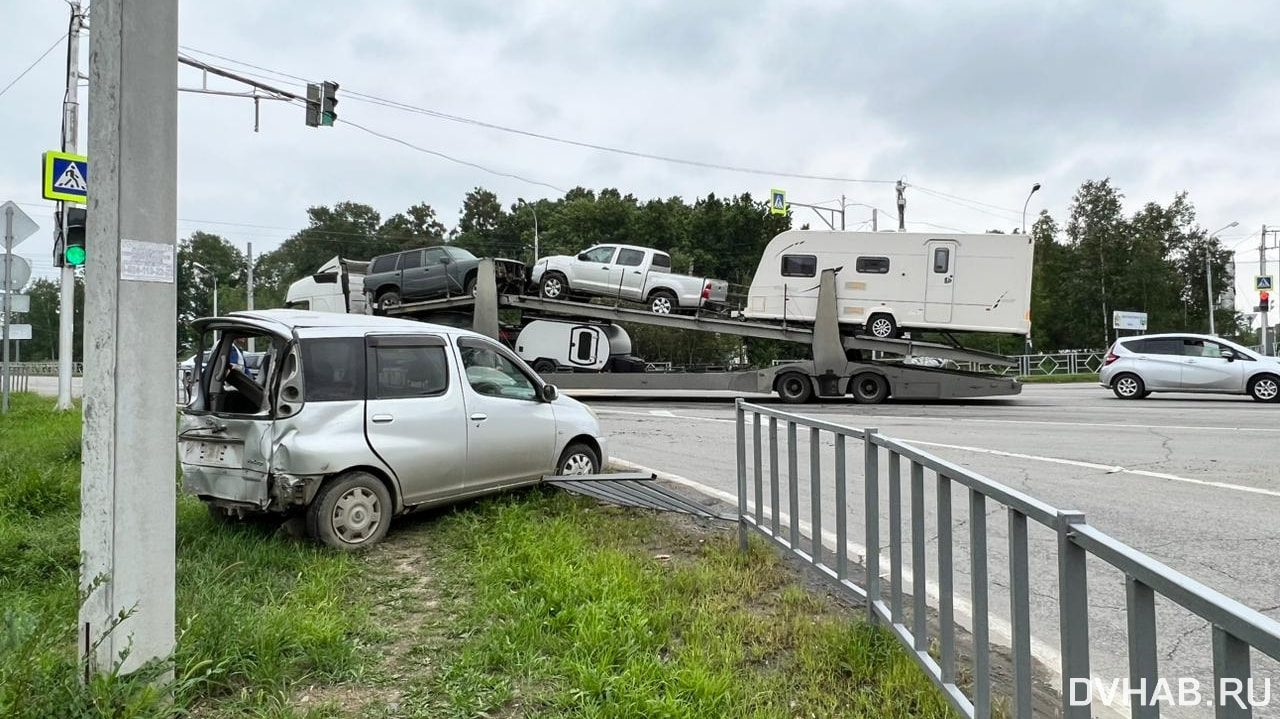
x=406 y=107
x=32 y=66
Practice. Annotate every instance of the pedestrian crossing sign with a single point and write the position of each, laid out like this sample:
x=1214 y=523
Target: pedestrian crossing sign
x=66 y=177
x=778 y=202
x=1264 y=282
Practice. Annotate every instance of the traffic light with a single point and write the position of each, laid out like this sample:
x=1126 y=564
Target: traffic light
x=1264 y=301
x=321 y=100
x=328 y=101
x=73 y=249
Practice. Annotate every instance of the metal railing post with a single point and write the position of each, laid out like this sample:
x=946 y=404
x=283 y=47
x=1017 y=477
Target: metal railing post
x=757 y=467
x=1231 y=674
x=774 y=509
x=871 y=487
x=740 y=424
x=793 y=486
x=815 y=494
x=946 y=598
x=895 y=537
x=842 y=513
x=1143 y=663
x=1020 y=613
x=1073 y=611
x=978 y=592
x=919 y=568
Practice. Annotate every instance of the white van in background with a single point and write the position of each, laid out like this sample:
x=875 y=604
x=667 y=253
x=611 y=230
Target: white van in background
x=891 y=281
x=338 y=286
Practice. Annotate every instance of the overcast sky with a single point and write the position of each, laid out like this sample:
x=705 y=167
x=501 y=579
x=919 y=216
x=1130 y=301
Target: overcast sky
x=978 y=99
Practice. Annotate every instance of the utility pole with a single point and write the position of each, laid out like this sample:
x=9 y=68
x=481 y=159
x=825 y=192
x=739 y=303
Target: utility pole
x=1262 y=270
x=5 y=314
x=875 y=220
x=128 y=492
x=70 y=136
x=902 y=206
x=842 y=212
x=249 y=294
x=1208 y=281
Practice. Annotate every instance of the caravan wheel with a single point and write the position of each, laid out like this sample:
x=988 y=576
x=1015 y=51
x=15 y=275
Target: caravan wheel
x=882 y=326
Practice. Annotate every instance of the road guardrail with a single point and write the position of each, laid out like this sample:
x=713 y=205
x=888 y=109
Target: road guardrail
x=1236 y=629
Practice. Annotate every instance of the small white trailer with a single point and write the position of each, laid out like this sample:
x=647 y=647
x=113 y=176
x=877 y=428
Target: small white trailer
x=890 y=281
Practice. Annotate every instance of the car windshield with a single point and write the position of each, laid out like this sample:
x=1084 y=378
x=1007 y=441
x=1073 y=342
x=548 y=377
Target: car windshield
x=457 y=253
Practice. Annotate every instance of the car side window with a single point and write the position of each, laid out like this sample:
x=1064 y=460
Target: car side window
x=386 y=263
x=333 y=369
x=601 y=254
x=1158 y=347
x=434 y=256
x=411 y=371
x=662 y=260
x=492 y=374
x=410 y=260
x=630 y=258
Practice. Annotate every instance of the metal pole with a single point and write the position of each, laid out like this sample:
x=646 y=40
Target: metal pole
x=128 y=492
x=8 y=299
x=535 y=232
x=1262 y=265
x=1208 y=280
x=875 y=220
x=842 y=212
x=70 y=137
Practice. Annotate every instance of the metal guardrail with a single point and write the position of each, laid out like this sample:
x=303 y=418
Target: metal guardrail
x=46 y=369
x=1236 y=629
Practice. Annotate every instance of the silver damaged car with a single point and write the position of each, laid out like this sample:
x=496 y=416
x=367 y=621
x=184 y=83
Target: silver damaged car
x=351 y=420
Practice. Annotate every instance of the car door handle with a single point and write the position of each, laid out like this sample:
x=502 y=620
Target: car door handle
x=635 y=272
x=382 y=419
x=479 y=417
x=605 y=267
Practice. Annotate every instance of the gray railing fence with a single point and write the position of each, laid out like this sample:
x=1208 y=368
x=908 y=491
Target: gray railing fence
x=1236 y=629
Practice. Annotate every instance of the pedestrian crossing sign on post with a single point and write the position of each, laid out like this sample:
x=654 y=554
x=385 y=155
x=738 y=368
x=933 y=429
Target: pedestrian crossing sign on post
x=778 y=202
x=1264 y=282
x=66 y=177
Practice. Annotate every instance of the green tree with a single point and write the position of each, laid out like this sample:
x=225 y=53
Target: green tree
x=220 y=259
x=46 y=297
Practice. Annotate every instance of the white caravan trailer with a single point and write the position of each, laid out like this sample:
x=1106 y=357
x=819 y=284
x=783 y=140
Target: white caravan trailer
x=338 y=286
x=550 y=345
x=891 y=281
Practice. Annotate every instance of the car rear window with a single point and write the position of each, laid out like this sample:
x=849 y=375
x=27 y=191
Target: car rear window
x=333 y=369
x=661 y=260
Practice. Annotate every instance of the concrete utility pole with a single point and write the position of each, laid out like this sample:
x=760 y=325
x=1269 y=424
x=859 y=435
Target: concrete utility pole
x=6 y=315
x=249 y=293
x=902 y=206
x=128 y=490
x=875 y=220
x=841 y=212
x=70 y=135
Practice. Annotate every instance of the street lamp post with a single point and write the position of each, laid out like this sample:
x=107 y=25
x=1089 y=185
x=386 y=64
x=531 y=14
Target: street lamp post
x=522 y=201
x=1208 y=273
x=1034 y=189
x=208 y=272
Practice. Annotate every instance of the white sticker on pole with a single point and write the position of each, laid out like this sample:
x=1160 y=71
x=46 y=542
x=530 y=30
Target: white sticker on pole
x=19 y=332
x=147 y=261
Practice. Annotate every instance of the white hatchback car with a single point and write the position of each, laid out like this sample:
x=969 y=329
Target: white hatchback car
x=1137 y=366
x=352 y=419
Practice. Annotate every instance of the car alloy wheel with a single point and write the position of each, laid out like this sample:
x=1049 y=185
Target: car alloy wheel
x=1265 y=389
x=882 y=327
x=1128 y=386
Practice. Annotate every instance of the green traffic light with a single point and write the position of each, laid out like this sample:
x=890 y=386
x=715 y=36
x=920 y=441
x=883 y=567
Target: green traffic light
x=75 y=255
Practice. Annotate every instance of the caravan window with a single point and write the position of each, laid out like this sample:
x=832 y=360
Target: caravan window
x=941 y=260
x=799 y=265
x=873 y=265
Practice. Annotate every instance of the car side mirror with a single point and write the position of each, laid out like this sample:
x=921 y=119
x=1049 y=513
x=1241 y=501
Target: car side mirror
x=1228 y=355
x=549 y=393
x=444 y=260
x=582 y=256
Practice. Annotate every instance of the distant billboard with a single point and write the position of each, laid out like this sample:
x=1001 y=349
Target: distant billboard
x=1136 y=321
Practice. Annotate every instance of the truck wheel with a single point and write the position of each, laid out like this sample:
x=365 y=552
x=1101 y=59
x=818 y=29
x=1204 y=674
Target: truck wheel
x=869 y=388
x=351 y=512
x=388 y=299
x=663 y=303
x=543 y=365
x=554 y=286
x=794 y=388
x=882 y=326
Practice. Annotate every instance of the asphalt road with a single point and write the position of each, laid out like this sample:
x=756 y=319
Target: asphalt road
x=1186 y=479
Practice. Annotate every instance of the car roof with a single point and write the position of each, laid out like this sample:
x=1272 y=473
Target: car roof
x=1170 y=335
x=289 y=320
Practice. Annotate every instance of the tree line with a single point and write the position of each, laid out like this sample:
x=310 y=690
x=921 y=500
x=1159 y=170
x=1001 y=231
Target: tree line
x=1094 y=260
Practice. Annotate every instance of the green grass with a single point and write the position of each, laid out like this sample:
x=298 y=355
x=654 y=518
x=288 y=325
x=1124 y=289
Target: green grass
x=529 y=604
x=257 y=614
x=1058 y=378
x=563 y=609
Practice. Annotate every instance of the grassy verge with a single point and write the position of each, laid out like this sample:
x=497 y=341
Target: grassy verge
x=1058 y=378
x=530 y=604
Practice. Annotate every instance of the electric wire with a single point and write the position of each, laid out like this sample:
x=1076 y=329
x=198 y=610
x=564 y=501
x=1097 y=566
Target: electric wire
x=33 y=65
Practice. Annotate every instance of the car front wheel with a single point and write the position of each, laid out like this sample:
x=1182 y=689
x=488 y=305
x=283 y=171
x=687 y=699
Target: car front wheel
x=1265 y=388
x=578 y=458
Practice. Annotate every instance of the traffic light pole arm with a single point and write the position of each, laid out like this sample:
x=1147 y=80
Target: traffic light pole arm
x=281 y=94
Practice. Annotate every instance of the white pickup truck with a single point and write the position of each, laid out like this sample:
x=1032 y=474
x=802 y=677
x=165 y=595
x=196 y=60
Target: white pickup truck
x=639 y=274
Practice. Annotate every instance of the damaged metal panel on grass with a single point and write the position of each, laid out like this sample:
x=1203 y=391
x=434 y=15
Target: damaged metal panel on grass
x=633 y=489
